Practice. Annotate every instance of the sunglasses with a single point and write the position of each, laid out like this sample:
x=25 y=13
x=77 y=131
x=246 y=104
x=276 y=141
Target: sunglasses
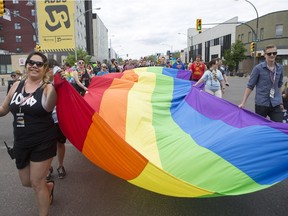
x=13 y=75
x=38 y=63
x=274 y=53
x=80 y=63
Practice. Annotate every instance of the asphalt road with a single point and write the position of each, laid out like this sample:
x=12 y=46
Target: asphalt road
x=90 y=191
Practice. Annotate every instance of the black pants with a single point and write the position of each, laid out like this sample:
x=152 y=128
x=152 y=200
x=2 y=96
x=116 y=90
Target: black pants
x=275 y=113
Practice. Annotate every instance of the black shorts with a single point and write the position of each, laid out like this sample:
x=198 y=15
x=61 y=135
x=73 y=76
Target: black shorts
x=37 y=153
x=60 y=136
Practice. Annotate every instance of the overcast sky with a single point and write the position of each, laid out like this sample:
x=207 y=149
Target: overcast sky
x=138 y=28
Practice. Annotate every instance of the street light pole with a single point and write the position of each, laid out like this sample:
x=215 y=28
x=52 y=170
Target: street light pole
x=189 y=38
x=110 y=50
x=75 y=19
x=167 y=45
x=256 y=39
x=31 y=23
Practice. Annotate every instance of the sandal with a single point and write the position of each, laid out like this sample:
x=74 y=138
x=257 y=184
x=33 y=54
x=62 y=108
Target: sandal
x=52 y=191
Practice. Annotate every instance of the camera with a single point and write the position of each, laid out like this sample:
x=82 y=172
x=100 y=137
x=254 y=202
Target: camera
x=10 y=151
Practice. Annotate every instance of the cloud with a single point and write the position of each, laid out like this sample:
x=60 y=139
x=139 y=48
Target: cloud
x=140 y=26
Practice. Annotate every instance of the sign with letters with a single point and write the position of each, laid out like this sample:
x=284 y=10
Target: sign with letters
x=56 y=25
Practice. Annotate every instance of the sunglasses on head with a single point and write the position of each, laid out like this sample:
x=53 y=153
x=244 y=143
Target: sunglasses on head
x=38 y=63
x=81 y=62
x=274 y=53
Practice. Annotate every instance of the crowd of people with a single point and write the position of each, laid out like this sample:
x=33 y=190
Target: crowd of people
x=31 y=98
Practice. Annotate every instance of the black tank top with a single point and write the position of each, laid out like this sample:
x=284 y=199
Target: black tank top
x=39 y=125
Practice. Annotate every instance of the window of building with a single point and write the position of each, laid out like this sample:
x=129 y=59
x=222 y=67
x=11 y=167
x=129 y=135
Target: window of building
x=239 y=37
x=1 y=39
x=261 y=34
x=242 y=37
x=249 y=36
x=279 y=30
x=17 y=26
x=33 y=12
x=15 y=1
x=19 y=50
x=1 y=26
x=16 y=13
x=216 y=41
x=18 y=38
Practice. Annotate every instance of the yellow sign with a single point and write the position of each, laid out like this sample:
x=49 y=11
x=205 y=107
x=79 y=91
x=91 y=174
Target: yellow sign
x=56 y=25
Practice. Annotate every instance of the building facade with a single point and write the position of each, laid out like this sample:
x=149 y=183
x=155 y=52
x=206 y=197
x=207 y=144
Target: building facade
x=272 y=29
x=211 y=43
x=18 y=35
x=100 y=32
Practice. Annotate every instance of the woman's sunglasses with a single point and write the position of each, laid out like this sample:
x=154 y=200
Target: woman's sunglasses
x=38 y=63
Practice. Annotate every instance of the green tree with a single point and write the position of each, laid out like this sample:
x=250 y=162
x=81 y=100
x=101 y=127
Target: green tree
x=235 y=55
x=81 y=54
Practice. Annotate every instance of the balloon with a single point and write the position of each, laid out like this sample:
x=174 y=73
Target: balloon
x=152 y=128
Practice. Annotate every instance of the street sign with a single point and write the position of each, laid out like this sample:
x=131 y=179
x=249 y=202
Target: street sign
x=7 y=15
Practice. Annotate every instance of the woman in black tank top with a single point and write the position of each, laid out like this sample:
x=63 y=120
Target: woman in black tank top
x=31 y=101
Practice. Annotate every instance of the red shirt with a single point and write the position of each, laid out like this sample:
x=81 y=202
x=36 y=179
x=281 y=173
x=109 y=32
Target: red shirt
x=198 y=69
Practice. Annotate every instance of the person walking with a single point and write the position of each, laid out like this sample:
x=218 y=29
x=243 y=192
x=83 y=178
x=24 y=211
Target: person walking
x=178 y=64
x=103 y=71
x=61 y=139
x=268 y=79
x=31 y=101
x=82 y=77
x=214 y=82
x=222 y=68
x=197 y=68
x=15 y=76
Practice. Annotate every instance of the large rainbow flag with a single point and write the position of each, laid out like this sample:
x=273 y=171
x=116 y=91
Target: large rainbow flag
x=151 y=127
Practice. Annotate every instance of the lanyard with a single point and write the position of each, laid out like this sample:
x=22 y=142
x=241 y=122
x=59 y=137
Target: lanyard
x=273 y=77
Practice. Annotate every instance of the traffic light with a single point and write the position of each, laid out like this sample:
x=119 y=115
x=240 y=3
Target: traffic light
x=2 y=7
x=38 y=48
x=252 y=47
x=199 y=25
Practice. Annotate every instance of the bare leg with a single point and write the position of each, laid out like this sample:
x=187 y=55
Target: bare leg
x=42 y=189
x=60 y=153
x=24 y=175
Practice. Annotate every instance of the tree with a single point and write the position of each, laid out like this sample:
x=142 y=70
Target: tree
x=81 y=54
x=235 y=55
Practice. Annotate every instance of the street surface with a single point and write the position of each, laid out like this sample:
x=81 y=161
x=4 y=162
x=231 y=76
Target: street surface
x=90 y=191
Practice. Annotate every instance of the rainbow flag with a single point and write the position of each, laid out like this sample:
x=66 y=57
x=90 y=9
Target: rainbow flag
x=152 y=128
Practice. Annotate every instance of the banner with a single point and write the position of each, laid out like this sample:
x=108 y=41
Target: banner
x=56 y=25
